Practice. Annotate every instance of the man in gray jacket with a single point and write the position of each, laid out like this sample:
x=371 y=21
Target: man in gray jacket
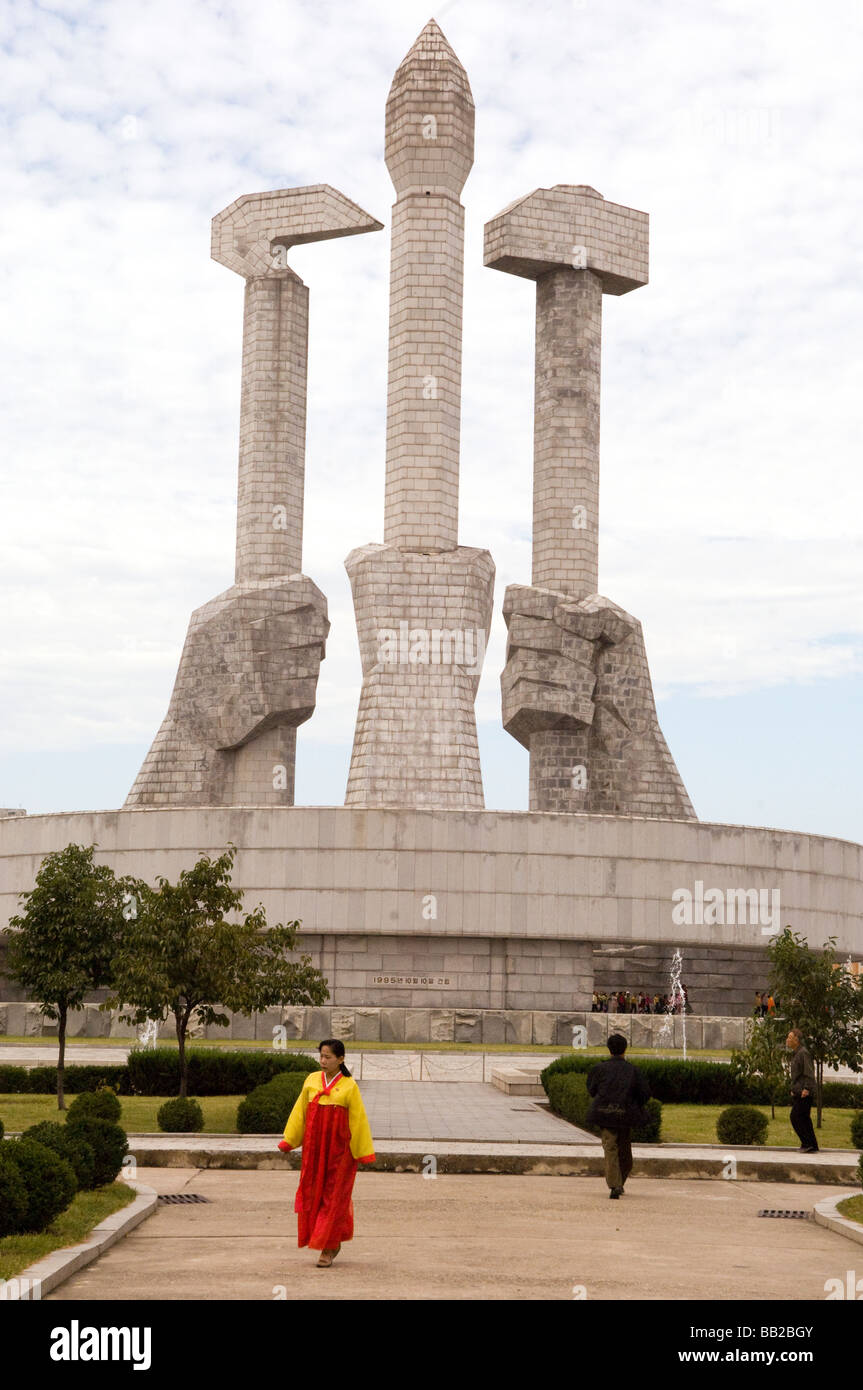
x=802 y=1092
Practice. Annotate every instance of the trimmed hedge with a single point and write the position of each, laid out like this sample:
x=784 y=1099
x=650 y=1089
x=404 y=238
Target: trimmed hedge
x=266 y=1110
x=13 y=1195
x=156 y=1071
x=857 y=1131
x=842 y=1095
x=42 y=1081
x=568 y=1097
x=96 y=1105
x=182 y=1115
x=69 y=1146
x=704 y=1083
x=669 y=1079
x=49 y=1181
x=109 y=1145
x=741 y=1124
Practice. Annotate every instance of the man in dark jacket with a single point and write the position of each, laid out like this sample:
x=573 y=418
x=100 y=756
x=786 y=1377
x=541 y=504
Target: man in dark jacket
x=802 y=1092
x=619 y=1095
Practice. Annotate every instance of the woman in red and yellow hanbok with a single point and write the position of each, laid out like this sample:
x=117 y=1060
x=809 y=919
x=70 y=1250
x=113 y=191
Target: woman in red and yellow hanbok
x=329 y=1122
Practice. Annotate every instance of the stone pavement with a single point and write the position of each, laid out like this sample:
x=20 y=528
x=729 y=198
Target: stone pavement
x=474 y=1238
x=468 y=1111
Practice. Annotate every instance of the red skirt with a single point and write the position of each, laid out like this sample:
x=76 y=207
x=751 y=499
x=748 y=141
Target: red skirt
x=325 y=1211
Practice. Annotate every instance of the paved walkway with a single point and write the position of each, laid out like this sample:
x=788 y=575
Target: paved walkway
x=469 y=1111
x=475 y=1238
x=410 y=1111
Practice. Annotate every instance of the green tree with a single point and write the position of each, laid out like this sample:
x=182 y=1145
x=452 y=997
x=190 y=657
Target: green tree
x=61 y=945
x=821 y=999
x=181 y=957
x=764 y=1057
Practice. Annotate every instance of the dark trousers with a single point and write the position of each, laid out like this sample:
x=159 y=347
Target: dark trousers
x=617 y=1147
x=801 y=1121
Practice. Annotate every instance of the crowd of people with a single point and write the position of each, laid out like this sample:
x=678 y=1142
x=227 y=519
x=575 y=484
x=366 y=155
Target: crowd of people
x=642 y=1002
x=624 y=1001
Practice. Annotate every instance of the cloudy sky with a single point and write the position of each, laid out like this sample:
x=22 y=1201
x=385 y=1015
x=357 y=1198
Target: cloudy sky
x=731 y=487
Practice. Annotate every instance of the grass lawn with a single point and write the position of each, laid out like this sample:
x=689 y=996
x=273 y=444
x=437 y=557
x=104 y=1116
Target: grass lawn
x=681 y=1124
x=73 y=1044
x=696 y=1124
x=71 y=1227
x=139 y=1112
x=852 y=1208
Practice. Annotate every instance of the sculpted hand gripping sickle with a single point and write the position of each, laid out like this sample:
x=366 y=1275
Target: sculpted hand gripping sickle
x=249 y=668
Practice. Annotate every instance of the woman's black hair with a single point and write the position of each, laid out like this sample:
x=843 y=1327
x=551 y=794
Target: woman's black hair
x=337 y=1048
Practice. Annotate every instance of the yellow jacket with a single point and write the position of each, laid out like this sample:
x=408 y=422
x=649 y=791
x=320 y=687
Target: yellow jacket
x=344 y=1091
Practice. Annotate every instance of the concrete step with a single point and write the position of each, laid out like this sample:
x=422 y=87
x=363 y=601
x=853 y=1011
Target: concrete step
x=569 y=1160
x=517 y=1081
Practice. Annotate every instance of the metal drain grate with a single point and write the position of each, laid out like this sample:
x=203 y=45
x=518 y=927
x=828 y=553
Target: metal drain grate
x=181 y=1198
x=798 y=1215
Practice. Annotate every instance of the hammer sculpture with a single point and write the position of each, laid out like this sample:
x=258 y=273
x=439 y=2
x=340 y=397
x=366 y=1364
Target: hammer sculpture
x=576 y=685
x=249 y=668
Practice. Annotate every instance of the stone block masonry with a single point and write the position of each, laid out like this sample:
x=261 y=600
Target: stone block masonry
x=576 y=687
x=249 y=668
x=577 y=694
x=429 y=154
x=247 y=678
x=415 y=742
x=523 y=1027
x=423 y=623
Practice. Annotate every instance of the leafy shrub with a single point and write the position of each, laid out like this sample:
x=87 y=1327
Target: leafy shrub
x=266 y=1110
x=48 y=1179
x=650 y=1131
x=860 y=1170
x=2 y=1131
x=857 y=1131
x=13 y=1194
x=69 y=1146
x=156 y=1071
x=741 y=1124
x=108 y=1142
x=568 y=1096
x=181 y=1115
x=96 y=1105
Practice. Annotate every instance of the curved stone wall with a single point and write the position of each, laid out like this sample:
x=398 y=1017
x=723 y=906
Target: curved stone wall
x=488 y=909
